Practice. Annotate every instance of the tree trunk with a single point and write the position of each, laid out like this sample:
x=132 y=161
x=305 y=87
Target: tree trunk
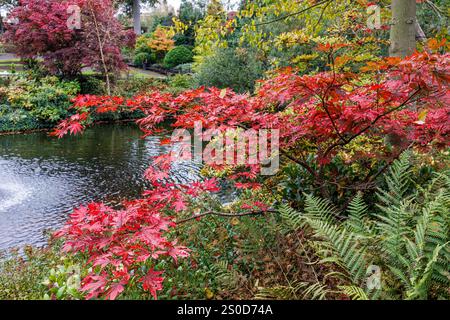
x=403 y=28
x=102 y=54
x=137 y=16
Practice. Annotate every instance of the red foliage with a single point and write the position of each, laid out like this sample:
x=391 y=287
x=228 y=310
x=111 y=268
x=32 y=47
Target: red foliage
x=317 y=115
x=122 y=245
x=41 y=30
x=327 y=110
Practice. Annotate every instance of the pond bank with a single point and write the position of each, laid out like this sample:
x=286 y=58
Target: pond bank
x=29 y=131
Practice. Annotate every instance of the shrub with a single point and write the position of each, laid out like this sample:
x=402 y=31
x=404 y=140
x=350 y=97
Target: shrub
x=182 y=81
x=184 y=68
x=143 y=58
x=234 y=68
x=134 y=85
x=161 y=42
x=143 y=53
x=16 y=120
x=21 y=276
x=178 y=55
x=92 y=84
x=182 y=39
x=30 y=104
x=142 y=43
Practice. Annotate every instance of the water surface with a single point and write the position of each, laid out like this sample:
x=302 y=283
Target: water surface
x=42 y=178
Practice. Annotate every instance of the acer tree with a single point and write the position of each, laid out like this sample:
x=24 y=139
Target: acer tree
x=329 y=123
x=42 y=30
x=161 y=42
x=389 y=106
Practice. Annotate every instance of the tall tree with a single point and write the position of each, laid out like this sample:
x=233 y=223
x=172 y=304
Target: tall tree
x=133 y=7
x=403 y=28
x=137 y=16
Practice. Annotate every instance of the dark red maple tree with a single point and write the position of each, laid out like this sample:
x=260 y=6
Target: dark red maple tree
x=41 y=28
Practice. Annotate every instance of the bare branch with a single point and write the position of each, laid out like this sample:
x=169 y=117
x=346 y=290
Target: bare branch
x=293 y=14
x=227 y=215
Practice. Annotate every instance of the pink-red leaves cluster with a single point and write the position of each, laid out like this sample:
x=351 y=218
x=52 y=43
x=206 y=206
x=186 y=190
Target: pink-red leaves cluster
x=406 y=98
x=122 y=245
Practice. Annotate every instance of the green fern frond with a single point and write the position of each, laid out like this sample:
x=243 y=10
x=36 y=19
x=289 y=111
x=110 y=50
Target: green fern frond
x=357 y=216
x=316 y=291
x=319 y=208
x=341 y=244
x=291 y=218
x=397 y=181
x=227 y=277
x=299 y=290
x=354 y=293
x=420 y=287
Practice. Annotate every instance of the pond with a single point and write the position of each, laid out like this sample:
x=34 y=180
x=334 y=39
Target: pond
x=43 y=178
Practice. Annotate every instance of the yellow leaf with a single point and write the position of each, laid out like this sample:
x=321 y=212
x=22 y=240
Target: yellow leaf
x=423 y=115
x=209 y=294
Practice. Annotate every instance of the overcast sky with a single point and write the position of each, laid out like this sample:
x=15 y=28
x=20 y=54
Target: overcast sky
x=176 y=3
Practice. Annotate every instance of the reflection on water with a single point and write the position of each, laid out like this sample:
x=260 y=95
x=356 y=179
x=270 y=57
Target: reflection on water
x=42 y=179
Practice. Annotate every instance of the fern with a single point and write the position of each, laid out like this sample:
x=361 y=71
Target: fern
x=357 y=220
x=299 y=290
x=408 y=237
x=355 y=293
x=414 y=239
x=291 y=218
x=341 y=245
x=397 y=181
x=227 y=277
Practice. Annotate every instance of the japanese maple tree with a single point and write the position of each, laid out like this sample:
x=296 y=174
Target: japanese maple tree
x=375 y=115
x=122 y=246
x=41 y=28
x=390 y=105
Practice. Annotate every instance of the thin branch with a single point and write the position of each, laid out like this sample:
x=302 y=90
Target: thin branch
x=324 y=104
x=227 y=215
x=321 y=15
x=298 y=161
x=100 y=43
x=292 y=14
x=337 y=144
x=372 y=178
